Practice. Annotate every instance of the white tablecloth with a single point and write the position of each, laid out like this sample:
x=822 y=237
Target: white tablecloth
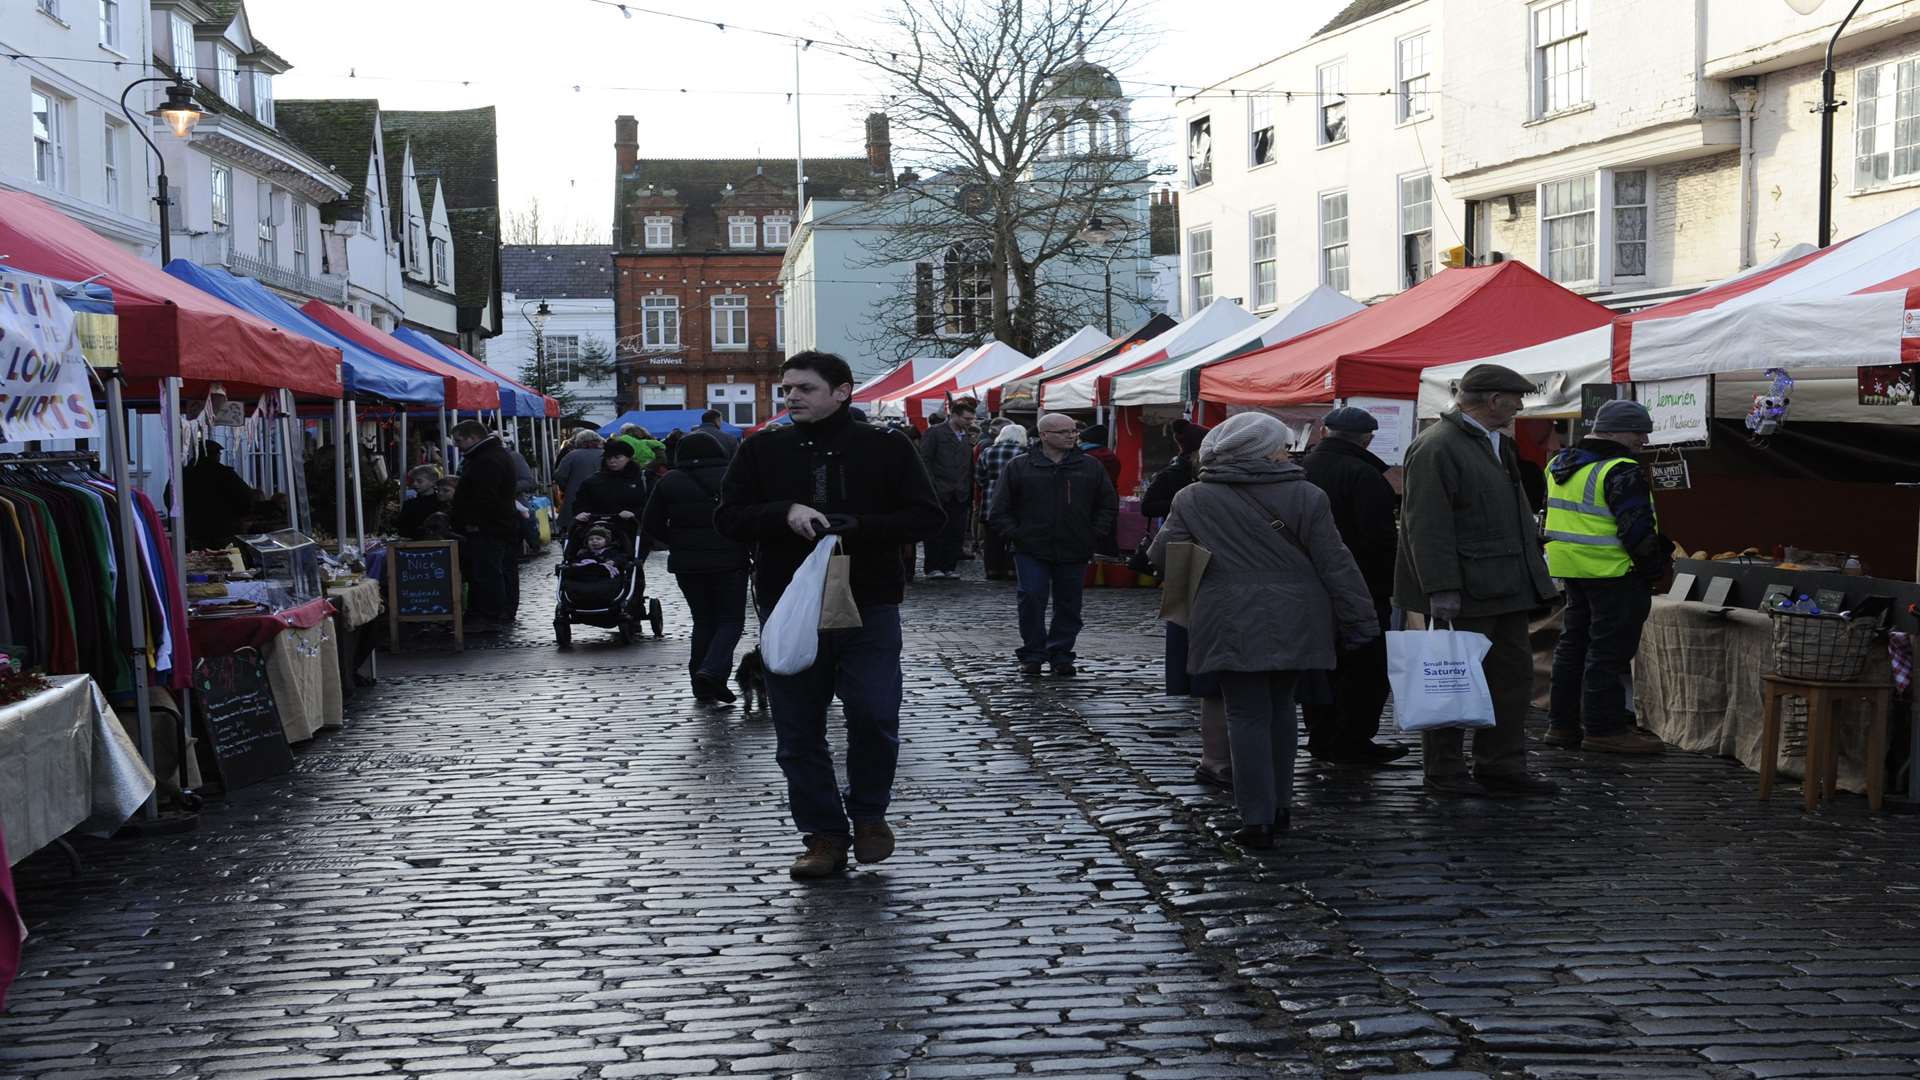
x=65 y=763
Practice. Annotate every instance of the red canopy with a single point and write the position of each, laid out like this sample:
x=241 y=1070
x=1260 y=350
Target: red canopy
x=464 y=391
x=1379 y=352
x=552 y=404
x=168 y=328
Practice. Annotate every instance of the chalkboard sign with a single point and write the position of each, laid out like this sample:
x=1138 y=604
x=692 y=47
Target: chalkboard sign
x=235 y=708
x=423 y=585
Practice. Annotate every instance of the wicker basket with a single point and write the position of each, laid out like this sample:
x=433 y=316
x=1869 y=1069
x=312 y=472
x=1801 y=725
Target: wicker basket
x=1822 y=647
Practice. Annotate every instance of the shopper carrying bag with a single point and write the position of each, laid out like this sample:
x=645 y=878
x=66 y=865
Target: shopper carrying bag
x=1437 y=679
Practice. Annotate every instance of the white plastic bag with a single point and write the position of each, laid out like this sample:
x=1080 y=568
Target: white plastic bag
x=1437 y=679
x=791 y=638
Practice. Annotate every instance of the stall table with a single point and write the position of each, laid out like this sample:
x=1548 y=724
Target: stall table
x=302 y=653
x=1697 y=686
x=65 y=764
x=357 y=607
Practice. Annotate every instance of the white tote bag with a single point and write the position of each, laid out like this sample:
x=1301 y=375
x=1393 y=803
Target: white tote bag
x=791 y=638
x=1437 y=679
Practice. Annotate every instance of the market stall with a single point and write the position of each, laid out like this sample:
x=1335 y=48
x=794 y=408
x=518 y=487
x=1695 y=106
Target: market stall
x=66 y=764
x=1080 y=342
x=1023 y=394
x=1089 y=386
x=982 y=364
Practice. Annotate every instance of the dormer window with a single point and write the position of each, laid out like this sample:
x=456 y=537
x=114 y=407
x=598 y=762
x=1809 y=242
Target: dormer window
x=779 y=230
x=182 y=33
x=228 y=63
x=659 y=232
x=263 y=97
x=416 y=245
x=442 y=273
x=741 y=231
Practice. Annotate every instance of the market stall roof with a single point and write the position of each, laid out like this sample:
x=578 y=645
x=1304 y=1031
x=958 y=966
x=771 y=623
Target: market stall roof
x=1165 y=382
x=1841 y=306
x=894 y=403
x=363 y=371
x=1454 y=315
x=1090 y=386
x=92 y=298
x=661 y=422
x=516 y=399
x=1024 y=393
x=463 y=391
x=899 y=377
x=1083 y=341
x=168 y=328
x=988 y=361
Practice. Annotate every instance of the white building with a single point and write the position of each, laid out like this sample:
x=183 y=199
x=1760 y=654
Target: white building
x=64 y=136
x=1322 y=166
x=575 y=281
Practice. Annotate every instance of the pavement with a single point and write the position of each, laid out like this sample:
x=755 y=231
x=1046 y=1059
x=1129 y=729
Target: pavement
x=522 y=864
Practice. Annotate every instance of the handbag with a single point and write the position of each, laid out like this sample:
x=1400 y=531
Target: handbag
x=837 y=608
x=1186 y=564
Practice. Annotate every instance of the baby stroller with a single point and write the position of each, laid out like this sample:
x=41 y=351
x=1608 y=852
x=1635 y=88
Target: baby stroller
x=619 y=602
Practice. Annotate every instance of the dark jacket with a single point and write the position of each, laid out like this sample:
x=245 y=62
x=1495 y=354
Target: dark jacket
x=1054 y=511
x=217 y=502
x=606 y=492
x=483 y=500
x=1465 y=526
x=1363 y=507
x=680 y=511
x=1630 y=498
x=412 y=523
x=729 y=445
x=949 y=460
x=1109 y=461
x=836 y=466
x=1158 y=500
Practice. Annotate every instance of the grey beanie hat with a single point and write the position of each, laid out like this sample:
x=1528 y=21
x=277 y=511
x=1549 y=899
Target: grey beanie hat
x=1248 y=436
x=1621 y=415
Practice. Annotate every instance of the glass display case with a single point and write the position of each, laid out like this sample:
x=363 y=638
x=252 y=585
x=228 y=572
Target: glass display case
x=286 y=558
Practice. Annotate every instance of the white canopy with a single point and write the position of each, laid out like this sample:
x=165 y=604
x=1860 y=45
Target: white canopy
x=1210 y=324
x=1557 y=369
x=1165 y=383
x=1083 y=341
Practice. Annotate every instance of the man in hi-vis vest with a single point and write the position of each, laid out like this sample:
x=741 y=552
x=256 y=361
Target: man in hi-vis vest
x=1604 y=545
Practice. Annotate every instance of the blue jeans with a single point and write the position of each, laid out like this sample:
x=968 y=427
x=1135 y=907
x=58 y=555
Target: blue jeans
x=1593 y=661
x=1037 y=579
x=862 y=668
x=718 y=602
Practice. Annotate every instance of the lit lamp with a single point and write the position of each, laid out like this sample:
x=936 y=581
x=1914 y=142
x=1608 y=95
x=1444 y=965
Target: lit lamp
x=180 y=113
x=1103 y=231
x=1826 y=107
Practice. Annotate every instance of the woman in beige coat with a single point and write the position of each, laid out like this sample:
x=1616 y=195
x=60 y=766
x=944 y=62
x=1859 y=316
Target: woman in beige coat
x=1280 y=595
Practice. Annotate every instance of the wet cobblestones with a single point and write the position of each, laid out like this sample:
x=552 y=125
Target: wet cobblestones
x=519 y=863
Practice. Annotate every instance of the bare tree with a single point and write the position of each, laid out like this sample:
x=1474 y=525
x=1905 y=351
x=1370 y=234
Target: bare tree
x=532 y=224
x=1007 y=103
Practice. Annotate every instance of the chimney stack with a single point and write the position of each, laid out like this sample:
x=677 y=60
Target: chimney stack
x=626 y=144
x=879 y=145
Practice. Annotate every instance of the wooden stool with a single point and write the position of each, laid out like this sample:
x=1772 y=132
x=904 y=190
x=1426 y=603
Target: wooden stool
x=1823 y=700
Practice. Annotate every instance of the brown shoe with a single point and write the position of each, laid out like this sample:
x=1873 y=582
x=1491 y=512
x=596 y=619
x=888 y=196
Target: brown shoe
x=872 y=841
x=1627 y=742
x=826 y=856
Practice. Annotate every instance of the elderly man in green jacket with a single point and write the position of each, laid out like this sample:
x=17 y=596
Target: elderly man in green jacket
x=1469 y=556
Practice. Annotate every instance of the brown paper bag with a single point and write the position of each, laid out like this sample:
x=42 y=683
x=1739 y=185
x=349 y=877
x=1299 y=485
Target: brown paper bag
x=1186 y=563
x=837 y=609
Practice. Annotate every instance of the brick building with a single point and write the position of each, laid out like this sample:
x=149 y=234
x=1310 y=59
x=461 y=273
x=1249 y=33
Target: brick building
x=697 y=245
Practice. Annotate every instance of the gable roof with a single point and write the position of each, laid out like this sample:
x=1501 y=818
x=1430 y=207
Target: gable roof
x=557 y=271
x=460 y=147
x=1354 y=12
x=339 y=132
x=700 y=184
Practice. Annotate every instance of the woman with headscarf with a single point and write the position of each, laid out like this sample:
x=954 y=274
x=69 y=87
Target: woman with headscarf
x=1280 y=595
x=1216 y=754
x=995 y=555
x=711 y=569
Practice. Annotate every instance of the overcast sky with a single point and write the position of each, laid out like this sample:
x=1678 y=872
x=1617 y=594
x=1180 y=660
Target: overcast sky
x=556 y=141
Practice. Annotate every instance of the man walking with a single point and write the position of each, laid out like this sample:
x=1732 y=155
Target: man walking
x=1363 y=505
x=996 y=557
x=488 y=524
x=710 y=425
x=947 y=449
x=1469 y=557
x=1052 y=503
x=1604 y=544
x=784 y=489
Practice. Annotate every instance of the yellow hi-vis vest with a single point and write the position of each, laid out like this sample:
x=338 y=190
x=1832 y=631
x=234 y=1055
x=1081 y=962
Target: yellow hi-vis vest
x=1582 y=541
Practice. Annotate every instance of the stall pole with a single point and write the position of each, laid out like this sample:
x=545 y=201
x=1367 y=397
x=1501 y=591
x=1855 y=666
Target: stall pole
x=179 y=543
x=130 y=558
x=288 y=433
x=446 y=444
x=359 y=506
x=339 y=478
x=406 y=459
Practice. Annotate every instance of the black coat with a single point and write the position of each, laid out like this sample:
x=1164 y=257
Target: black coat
x=836 y=466
x=1363 y=507
x=606 y=492
x=680 y=518
x=412 y=523
x=1158 y=500
x=949 y=459
x=1054 y=511
x=483 y=502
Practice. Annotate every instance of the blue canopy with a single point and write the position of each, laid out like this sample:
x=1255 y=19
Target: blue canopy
x=661 y=422
x=92 y=298
x=515 y=399
x=362 y=371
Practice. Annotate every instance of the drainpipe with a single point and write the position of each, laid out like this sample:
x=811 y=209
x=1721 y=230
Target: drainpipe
x=1746 y=98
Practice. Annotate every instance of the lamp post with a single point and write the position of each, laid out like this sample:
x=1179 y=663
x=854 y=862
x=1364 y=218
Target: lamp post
x=1827 y=106
x=538 y=321
x=180 y=113
x=1099 y=230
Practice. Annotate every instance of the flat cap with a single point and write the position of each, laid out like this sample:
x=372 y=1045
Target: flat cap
x=1620 y=415
x=1496 y=379
x=1350 y=418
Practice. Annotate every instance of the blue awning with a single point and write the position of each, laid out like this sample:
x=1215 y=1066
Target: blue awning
x=515 y=399
x=661 y=422
x=362 y=371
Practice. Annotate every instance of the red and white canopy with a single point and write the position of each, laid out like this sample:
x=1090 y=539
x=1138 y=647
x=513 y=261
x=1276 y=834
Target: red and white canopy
x=1854 y=304
x=1084 y=340
x=986 y=362
x=1089 y=386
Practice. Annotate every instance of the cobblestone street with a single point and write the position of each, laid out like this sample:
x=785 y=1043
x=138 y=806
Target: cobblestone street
x=520 y=863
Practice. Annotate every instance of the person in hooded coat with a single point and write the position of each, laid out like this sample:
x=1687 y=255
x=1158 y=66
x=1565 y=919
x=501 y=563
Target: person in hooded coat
x=710 y=568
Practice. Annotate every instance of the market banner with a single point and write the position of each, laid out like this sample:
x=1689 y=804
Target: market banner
x=44 y=388
x=1680 y=410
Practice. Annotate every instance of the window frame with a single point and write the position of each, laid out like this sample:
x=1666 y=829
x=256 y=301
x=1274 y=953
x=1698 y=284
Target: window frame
x=651 y=222
x=670 y=306
x=227 y=71
x=1260 y=106
x=736 y=222
x=562 y=356
x=440 y=255
x=110 y=36
x=49 y=8
x=1271 y=298
x=714 y=309
x=184 y=63
x=220 y=196
x=110 y=163
x=1322 y=107
x=780 y=321
x=1323 y=266
x=1597 y=275
x=266 y=232
x=1890 y=126
x=1404 y=110
x=297 y=219
x=1609 y=198
x=1195 y=179
x=730 y=398
x=1194 y=275
x=1432 y=263
x=783 y=222
x=1537 y=55
x=57 y=111
x=263 y=96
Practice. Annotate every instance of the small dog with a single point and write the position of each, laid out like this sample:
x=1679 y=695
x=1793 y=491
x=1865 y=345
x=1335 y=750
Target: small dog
x=751 y=677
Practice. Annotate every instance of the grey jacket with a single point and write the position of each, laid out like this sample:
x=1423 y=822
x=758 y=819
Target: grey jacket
x=1466 y=527
x=1263 y=605
x=949 y=461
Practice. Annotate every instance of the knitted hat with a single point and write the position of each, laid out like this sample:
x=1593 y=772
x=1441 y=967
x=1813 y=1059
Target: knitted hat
x=1620 y=415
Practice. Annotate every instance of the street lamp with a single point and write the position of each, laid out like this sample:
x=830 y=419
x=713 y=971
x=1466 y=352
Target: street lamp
x=1827 y=106
x=1099 y=230
x=180 y=113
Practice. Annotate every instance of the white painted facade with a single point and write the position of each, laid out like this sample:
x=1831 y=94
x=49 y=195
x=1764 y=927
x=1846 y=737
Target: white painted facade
x=84 y=157
x=572 y=322
x=1286 y=187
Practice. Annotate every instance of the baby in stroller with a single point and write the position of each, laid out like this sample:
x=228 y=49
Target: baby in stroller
x=599 y=563
x=601 y=583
